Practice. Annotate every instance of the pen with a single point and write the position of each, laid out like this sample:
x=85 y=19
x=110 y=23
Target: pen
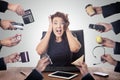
x=23 y=73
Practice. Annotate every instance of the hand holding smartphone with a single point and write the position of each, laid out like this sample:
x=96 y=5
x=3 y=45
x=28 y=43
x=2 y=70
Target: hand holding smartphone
x=46 y=55
x=18 y=25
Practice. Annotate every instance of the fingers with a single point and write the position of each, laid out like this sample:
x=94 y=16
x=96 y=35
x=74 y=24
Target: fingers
x=6 y=25
x=80 y=65
x=11 y=27
x=17 y=37
x=42 y=63
x=12 y=58
x=50 y=21
x=45 y=59
x=12 y=41
x=16 y=57
x=106 y=56
x=50 y=24
x=20 y=10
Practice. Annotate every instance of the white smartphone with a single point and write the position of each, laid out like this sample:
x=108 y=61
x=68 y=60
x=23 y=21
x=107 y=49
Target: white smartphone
x=62 y=74
x=46 y=55
x=101 y=74
x=18 y=25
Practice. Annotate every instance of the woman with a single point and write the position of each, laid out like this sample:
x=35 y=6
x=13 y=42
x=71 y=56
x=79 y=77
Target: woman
x=59 y=43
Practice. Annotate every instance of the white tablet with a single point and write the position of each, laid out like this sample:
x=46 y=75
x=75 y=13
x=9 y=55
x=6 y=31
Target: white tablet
x=62 y=74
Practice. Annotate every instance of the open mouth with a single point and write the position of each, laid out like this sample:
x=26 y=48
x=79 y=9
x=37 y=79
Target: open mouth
x=59 y=31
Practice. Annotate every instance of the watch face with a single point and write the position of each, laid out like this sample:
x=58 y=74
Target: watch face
x=28 y=17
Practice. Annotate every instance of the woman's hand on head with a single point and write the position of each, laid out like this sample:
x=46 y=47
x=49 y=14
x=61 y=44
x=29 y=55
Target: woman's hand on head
x=67 y=23
x=50 y=24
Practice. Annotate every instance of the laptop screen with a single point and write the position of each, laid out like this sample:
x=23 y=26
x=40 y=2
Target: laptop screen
x=65 y=61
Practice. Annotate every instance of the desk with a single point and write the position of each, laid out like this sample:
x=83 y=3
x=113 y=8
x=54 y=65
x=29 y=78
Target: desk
x=13 y=73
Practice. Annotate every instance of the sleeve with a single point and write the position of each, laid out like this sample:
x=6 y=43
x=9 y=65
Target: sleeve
x=34 y=75
x=87 y=77
x=111 y=9
x=2 y=64
x=117 y=48
x=0 y=47
x=116 y=26
x=3 y=6
x=117 y=67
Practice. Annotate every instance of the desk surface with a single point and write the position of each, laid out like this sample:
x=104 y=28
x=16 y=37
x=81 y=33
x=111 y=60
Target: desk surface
x=14 y=74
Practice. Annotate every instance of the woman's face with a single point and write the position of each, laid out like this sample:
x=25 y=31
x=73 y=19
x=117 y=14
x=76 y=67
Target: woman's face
x=58 y=26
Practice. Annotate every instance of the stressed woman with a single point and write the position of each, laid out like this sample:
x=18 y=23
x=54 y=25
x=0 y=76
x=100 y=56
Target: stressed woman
x=58 y=42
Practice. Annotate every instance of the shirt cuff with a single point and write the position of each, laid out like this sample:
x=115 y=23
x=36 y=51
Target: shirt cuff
x=2 y=64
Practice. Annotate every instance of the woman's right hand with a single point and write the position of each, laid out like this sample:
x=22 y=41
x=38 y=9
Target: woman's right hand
x=50 y=24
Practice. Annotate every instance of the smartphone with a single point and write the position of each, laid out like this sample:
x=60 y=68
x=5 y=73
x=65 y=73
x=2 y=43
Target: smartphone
x=46 y=55
x=28 y=17
x=101 y=74
x=18 y=25
x=62 y=74
x=97 y=27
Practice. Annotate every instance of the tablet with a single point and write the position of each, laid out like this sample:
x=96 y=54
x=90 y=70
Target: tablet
x=62 y=74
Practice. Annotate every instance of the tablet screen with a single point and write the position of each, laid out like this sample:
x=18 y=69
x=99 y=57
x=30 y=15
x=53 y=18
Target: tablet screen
x=62 y=74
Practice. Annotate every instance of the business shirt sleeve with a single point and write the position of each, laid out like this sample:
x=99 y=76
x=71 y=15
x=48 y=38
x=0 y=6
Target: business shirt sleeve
x=3 y=6
x=2 y=64
x=116 y=26
x=87 y=77
x=117 y=67
x=34 y=75
x=111 y=9
x=117 y=48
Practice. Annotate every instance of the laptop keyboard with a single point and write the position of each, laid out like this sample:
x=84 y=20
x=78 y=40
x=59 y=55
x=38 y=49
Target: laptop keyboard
x=69 y=69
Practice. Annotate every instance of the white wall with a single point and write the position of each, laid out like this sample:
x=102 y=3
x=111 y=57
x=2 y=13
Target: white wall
x=41 y=9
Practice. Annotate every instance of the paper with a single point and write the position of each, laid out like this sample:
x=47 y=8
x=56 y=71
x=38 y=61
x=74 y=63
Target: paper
x=78 y=61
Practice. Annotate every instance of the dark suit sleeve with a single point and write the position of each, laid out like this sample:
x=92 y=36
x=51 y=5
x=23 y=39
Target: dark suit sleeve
x=2 y=64
x=116 y=26
x=0 y=42
x=111 y=9
x=3 y=6
x=0 y=47
x=34 y=75
x=117 y=67
x=117 y=48
x=88 y=77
